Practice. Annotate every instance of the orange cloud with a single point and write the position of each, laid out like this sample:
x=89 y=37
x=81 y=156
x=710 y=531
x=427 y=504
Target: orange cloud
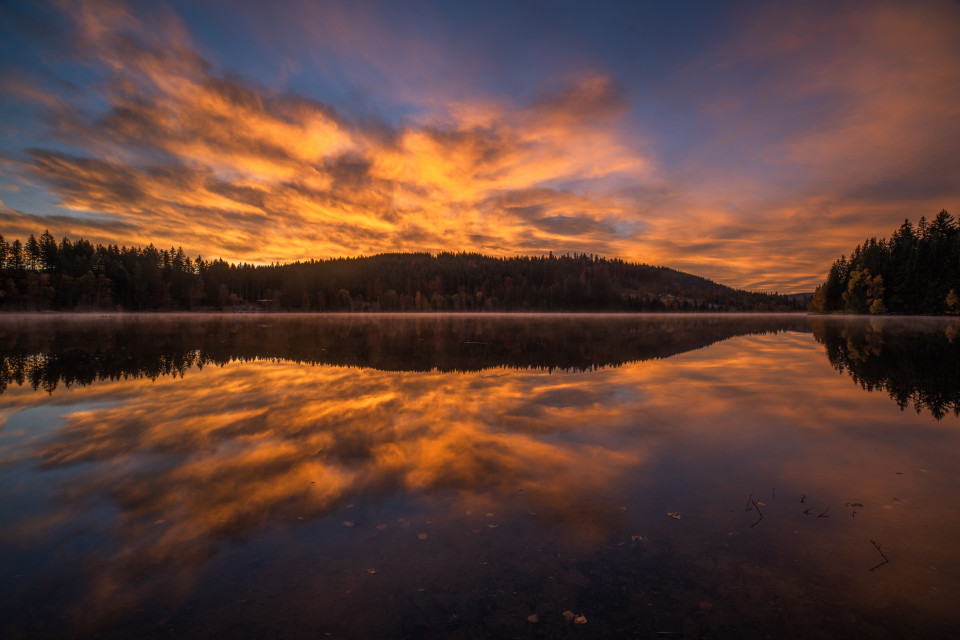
x=843 y=130
x=184 y=157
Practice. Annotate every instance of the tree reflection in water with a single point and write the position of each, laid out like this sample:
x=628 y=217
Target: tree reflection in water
x=194 y=453
x=45 y=351
x=916 y=361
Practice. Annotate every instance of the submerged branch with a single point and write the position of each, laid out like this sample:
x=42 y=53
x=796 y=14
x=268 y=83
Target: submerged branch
x=882 y=555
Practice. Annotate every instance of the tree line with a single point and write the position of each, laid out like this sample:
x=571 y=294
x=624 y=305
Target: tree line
x=42 y=274
x=916 y=271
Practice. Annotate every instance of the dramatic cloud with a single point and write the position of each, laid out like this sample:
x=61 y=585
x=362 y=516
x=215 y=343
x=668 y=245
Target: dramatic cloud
x=755 y=157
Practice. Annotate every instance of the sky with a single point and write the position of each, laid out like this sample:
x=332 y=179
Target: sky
x=752 y=143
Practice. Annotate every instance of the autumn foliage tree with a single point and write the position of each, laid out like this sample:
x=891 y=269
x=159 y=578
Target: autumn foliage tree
x=916 y=271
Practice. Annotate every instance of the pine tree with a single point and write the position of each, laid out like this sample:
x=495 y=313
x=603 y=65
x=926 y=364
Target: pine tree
x=913 y=272
x=49 y=254
x=33 y=254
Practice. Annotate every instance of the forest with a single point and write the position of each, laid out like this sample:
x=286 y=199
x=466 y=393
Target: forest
x=43 y=274
x=915 y=271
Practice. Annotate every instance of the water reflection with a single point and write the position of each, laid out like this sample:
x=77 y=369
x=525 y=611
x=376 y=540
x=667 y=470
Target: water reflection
x=913 y=360
x=270 y=495
x=44 y=351
x=916 y=361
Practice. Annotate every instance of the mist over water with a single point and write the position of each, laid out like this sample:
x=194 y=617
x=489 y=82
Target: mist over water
x=451 y=476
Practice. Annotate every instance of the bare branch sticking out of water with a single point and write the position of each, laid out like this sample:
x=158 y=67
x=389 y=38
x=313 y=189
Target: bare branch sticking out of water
x=747 y=506
x=758 y=511
x=882 y=555
x=824 y=514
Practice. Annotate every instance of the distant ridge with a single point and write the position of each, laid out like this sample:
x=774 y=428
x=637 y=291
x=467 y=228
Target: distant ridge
x=44 y=274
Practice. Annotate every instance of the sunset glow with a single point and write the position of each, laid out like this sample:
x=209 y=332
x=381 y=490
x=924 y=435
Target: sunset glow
x=750 y=144
x=198 y=464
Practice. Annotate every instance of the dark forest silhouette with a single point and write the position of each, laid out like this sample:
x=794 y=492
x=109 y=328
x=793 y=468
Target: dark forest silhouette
x=42 y=274
x=916 y=271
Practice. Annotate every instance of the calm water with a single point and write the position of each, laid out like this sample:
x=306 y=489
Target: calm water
x=449 y=477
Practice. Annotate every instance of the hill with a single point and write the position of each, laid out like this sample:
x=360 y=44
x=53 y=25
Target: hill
x=43 y=274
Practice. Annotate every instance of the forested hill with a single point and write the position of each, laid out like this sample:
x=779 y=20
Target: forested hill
x=68 y=275
x=916 y=271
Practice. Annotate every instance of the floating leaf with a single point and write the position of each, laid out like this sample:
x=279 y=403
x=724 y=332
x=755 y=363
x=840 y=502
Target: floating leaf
x=422 y=536
x=533 y=618
x=569 y=615
x=347 y=523
x=581 y=619
x=372 y=571
x=673 y=514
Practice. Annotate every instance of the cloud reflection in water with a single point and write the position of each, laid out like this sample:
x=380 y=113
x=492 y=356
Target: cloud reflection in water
x=266 y=456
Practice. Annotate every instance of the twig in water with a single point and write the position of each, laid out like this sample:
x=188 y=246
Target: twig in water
x=774 y=493
x=747 y=507
x=803 y=498
x=824 y=514
x=759 y=512
x=882 y=555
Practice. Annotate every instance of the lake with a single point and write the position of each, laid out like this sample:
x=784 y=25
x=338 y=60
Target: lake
x=287 y=476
